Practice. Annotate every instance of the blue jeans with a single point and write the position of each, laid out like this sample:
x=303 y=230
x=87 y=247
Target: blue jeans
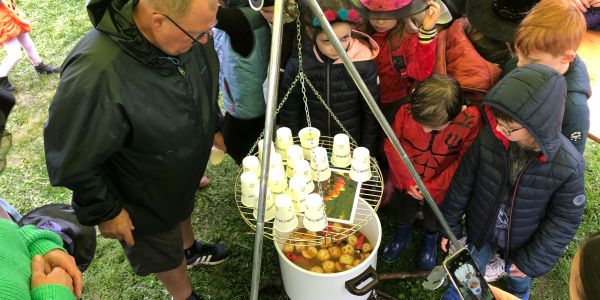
x=518 y=286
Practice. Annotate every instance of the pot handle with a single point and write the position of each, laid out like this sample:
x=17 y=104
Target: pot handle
x=352 y=284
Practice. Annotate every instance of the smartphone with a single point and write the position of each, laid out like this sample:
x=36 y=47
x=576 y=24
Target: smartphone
x=466 y=277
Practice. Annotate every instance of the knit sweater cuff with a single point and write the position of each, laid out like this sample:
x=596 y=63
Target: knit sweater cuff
x=426 y=36
x=40 y=241
x=51 y=292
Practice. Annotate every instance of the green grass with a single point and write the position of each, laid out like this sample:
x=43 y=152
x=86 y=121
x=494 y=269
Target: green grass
x=58 y=25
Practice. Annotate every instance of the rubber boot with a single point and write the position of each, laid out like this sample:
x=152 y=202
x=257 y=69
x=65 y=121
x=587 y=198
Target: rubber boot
x=395 y=247
x=43 y=68
x=428 y=254
x=6 y=85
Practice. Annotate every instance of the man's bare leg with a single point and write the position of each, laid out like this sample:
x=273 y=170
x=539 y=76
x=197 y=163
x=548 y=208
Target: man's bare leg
x=177 y=282
x=187 y=233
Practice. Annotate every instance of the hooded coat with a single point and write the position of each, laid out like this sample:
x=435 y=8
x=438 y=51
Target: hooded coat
x=576 y=122
x=334 y=84
x=546 y=202
x=130 y=127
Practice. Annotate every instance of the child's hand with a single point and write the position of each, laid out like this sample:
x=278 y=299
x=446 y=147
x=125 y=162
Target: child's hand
x=515 y=272
x=432 y=14
x=55 y=276
x=444 y=244
x=415 y=192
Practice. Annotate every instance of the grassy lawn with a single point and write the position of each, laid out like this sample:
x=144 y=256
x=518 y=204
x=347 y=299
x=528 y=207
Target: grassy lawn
x=58 y=25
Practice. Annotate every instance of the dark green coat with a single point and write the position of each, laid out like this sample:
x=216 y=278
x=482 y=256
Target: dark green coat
x=130 y=127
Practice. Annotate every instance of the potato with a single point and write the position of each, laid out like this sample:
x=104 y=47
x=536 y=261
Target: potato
x=348 y=249
x=287 y=248
x=323 y=255
x=335 y=252
x=357 y=262
x=347 y=259
x=317 y=269
x=328 y=266
x=300 y=246
x=337 y=227
x=352 y=239
x=339 y=267
x=326 y=245
x=367 y=247
x=310 y=252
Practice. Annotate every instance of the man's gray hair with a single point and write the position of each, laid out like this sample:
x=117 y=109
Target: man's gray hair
x=173 y=8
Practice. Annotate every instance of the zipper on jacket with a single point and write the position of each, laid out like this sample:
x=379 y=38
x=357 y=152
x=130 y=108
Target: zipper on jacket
x=512 y=204
x=327 y=72
x=494 y=215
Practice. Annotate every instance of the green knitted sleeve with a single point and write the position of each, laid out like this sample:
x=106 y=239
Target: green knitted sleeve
x=40 y=241
x=52 y=292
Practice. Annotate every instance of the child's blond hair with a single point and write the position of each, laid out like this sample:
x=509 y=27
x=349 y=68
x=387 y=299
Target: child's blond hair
x=552 y=26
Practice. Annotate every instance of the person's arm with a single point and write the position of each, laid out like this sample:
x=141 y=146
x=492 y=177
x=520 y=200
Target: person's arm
x=56 y=284
x=85 y=127
x=461 y=188
x=46 y=243
x=236 y=25
x=420 y=57
x=369 y=132
x=576 y=121
x=558 y=227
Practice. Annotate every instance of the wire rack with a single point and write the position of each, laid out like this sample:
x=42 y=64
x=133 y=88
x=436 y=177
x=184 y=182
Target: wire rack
x=370 y=192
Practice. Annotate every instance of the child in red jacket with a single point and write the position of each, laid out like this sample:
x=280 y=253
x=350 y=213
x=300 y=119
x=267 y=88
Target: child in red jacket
x=405 y=31
x=435 y=129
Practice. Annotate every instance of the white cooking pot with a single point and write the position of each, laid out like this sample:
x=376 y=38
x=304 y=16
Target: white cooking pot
x=356 y=283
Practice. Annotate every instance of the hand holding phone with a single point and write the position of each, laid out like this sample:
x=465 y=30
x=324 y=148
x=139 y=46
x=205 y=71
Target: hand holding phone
x=466 y=277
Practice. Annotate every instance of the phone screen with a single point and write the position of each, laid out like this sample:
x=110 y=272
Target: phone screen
x=465 y=276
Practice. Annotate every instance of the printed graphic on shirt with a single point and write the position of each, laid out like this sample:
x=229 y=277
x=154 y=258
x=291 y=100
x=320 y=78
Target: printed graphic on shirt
x=399 y=64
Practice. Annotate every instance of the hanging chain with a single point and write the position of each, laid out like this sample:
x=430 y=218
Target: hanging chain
x=337 y=121
x=303 y=79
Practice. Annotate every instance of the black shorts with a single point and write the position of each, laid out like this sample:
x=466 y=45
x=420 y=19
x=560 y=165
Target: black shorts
x=155 y=253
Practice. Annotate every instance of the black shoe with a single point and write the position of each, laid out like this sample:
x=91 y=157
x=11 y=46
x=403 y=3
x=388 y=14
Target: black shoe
x=206 y=254
x=6 y=85
x=193 y=296
x=43 y=68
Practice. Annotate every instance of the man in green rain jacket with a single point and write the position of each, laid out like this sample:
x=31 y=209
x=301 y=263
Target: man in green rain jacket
x=131 y=126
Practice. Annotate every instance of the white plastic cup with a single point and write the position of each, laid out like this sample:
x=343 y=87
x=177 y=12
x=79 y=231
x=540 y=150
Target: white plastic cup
x=319 y=164
x=249 y=187
x=260 y=148
x=283 y=140
x=309 y=139
x=302 y=169
x=269 y=208
x=314 y=216
x=216 y=155
x=251 y=164
x=341 y=154
x=285 y=214
x=297 y=191
x=277 y=181
x=360 y=170
x=275 y=162
x=294 y=152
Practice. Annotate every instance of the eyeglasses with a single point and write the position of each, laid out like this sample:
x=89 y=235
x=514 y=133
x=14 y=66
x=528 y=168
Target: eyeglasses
x=194 y=39
x=507 y=131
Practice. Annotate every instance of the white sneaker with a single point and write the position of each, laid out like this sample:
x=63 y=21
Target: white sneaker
x=495 y=269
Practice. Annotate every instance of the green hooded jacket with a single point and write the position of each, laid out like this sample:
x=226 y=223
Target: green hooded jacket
x=130 y=127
